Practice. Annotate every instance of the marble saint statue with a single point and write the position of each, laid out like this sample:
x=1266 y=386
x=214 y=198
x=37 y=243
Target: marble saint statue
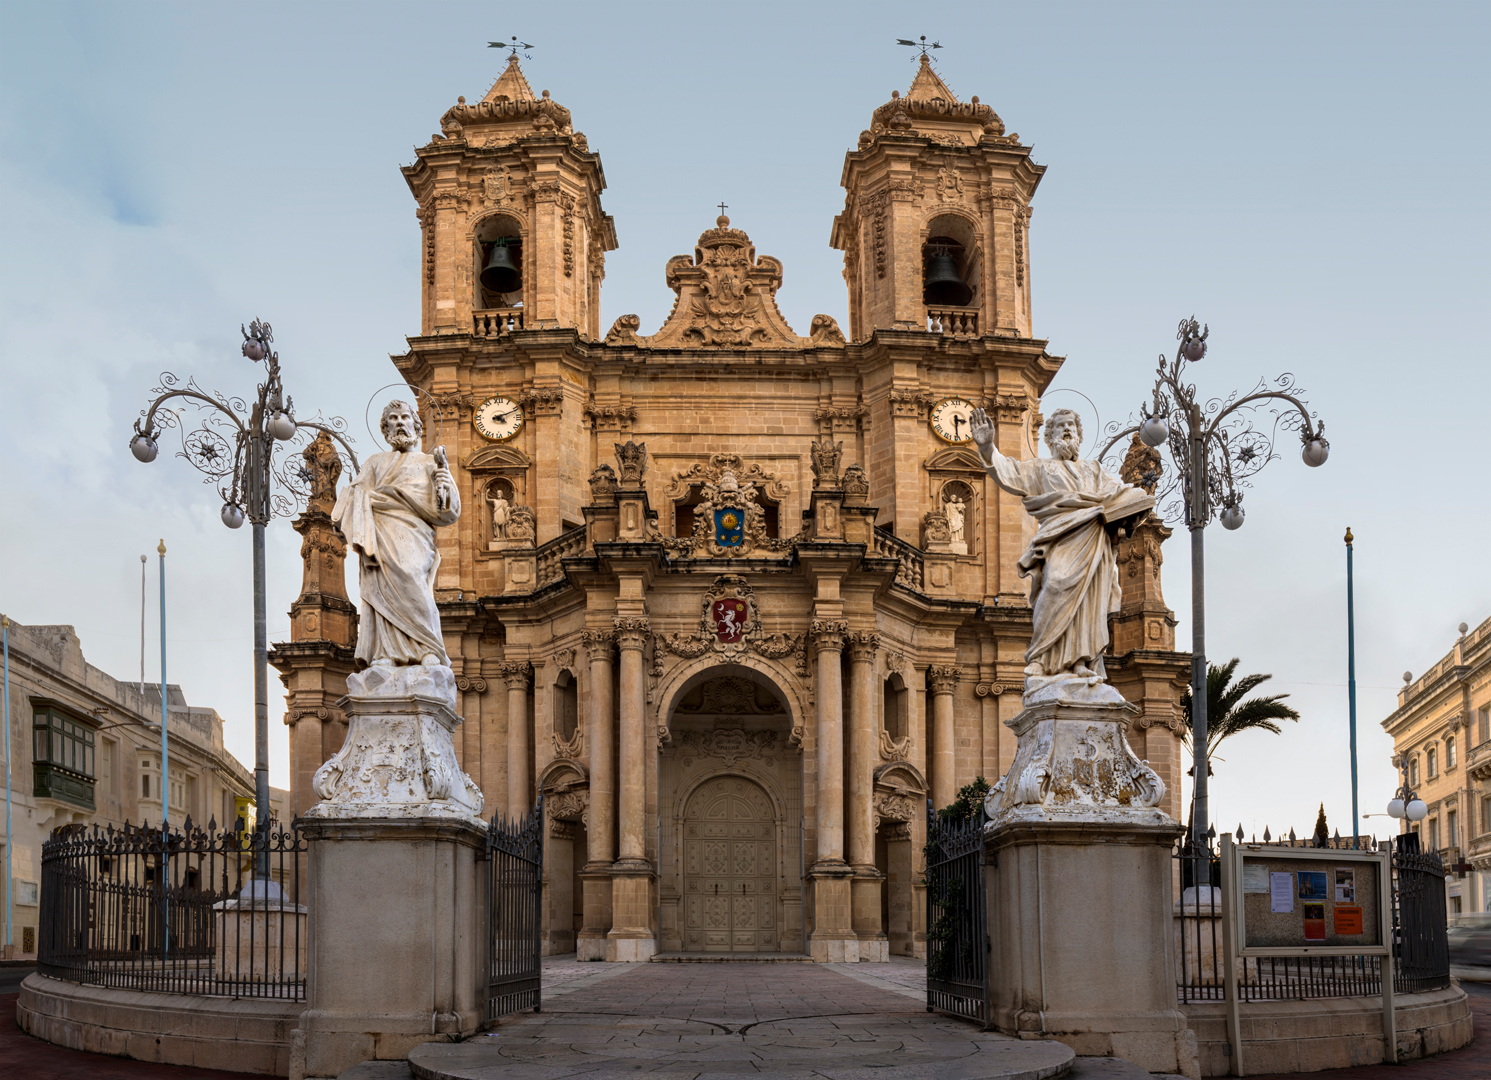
x=499 y=515
x=1080 y=509
x=389 y=514
x=954 y=508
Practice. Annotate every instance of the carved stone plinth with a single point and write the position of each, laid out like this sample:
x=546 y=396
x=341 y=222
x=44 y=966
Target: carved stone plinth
x=399 y=759
x=1078 y=870
x=1073 y=763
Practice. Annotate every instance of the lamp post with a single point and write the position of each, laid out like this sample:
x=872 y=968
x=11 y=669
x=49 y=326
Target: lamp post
x=1405 y=802
x=236 y=445
x=1215 y=450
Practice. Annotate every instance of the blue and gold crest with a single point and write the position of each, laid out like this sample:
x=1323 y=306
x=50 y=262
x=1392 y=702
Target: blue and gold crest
x=729 y=527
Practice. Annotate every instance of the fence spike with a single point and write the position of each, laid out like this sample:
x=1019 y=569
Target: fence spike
x=1239 y=832
x=1265 y=834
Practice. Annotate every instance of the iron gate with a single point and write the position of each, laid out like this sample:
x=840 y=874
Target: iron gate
x=1422 y=946
x=515 y=865
x=957 y=941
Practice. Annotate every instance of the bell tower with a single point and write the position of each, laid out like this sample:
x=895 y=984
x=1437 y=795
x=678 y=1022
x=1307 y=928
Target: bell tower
x=513 y=232
x=936 y=218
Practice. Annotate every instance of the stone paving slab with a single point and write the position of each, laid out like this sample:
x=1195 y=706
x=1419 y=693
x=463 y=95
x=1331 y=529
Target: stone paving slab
x=725 y=1021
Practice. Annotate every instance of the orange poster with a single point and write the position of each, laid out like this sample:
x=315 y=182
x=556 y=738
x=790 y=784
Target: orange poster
x=1314 y=922
x=1348 y=919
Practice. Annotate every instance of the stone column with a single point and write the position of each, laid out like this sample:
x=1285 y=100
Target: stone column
x=944 y=768
x=833 y=939
x=631 y=936
x=863 y=752
x=519 y=751
x=601 y=851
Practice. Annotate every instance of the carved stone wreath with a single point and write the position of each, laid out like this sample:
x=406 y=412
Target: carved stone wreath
x=727 y=744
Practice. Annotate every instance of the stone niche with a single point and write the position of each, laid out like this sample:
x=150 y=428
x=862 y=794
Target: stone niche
x=730 y=800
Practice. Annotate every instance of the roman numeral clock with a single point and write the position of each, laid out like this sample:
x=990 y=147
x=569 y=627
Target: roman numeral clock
x=952 y=420
x=497 y=419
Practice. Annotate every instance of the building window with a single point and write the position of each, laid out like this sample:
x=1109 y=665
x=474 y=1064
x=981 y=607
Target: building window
x=1432 y=757
x=1484 y=725
x=62 y=755
x=895 y=707
x=1452 y=827
x=1486 y=818
x=1433 y=834
x=1449 y=753
x=566 y=706
x=1413 y=773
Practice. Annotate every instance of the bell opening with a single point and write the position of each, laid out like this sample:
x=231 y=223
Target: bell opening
x=499 y=265
x=944 y=273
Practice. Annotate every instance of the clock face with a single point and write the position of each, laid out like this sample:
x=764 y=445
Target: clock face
x=952 y=420
x=498 y=418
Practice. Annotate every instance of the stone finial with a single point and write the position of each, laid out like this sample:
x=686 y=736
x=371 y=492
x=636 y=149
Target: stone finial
x=726 y=296
x=602 y=483
x=856 y=484
x=632 y=457
x=825 y=456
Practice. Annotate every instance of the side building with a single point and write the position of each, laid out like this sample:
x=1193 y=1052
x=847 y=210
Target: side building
x=1442 y=743
x=85 y=750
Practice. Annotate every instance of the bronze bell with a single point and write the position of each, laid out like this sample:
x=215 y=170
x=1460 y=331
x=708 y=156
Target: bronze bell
x=500 y=275
x=943 y=286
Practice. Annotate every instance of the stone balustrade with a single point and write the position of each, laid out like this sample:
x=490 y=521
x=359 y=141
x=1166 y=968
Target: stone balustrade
x=552 y=555
x=957 y=322
x=494 y=322
x=913 y=565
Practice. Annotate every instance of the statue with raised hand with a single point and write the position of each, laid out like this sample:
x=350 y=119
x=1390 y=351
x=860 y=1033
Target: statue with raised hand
x=1080 y=510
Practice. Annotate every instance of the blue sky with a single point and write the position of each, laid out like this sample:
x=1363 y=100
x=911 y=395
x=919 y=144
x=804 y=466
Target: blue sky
x=1310 y=179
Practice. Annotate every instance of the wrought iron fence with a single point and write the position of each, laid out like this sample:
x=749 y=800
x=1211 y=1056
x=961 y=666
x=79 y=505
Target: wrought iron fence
x=515 y=864
x=957 y=938
x=180 y=911
x=1420 y=943
x=1420 y=924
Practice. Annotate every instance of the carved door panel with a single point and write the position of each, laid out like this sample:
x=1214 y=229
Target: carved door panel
x=729 y=858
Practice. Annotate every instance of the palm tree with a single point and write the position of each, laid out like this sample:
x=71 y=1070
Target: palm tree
x=1226 y=712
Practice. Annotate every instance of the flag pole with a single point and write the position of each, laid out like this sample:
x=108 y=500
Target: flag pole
x=165 y=762
x=1351 y=680
x=9 y=848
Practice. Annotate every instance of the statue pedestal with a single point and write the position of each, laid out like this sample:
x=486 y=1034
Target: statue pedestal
x=393 y=880
x=1079 y=888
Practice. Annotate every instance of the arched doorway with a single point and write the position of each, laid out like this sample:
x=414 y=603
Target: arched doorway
x=730 y=868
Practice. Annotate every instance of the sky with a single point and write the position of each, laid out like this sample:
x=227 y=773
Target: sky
x=1308 y=179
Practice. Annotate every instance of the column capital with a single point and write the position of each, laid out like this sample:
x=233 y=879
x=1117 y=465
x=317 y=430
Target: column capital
x=863 y=645
x=599 y=643
x=631 y=632
x=943 y=679
x=829 y=634
x=516 y=674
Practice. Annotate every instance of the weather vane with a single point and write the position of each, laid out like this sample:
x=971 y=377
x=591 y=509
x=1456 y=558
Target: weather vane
x=923 y=46
x=518 y=45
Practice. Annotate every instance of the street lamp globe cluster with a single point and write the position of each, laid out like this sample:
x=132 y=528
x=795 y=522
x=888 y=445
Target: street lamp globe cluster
x=1215 y=450
x=236 y=446
x=1405 y=802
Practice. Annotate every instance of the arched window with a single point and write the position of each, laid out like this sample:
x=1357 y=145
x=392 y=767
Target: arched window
x=566 y=706
x=950 y=270
x=1432 y=757
x=894 y=716
x=1413 y=773
x=1449 y=753
x=497 y=277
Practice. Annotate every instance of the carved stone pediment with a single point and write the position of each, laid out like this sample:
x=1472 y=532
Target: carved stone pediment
x=955 y=459
x=493 y=458
x=726 y=296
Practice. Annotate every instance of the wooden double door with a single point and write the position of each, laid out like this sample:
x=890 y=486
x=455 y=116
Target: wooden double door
x=730 y=868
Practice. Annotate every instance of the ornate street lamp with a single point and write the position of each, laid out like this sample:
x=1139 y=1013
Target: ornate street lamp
x=1405 y=802
x=237 y=445
x=1215 y=450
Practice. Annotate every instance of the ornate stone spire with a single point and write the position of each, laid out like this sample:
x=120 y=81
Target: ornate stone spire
x=510 y=85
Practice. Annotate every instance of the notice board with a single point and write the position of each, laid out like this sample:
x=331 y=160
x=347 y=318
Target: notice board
x=1328 y=902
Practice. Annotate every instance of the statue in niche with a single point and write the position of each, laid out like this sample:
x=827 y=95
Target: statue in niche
x=389 y=514
x=954 y=507
x=1080 y=510
x=500 y=506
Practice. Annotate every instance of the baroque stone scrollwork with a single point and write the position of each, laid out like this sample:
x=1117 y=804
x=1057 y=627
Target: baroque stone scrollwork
x=898 y=808
x=602 y=484
x=856 y=484
x=894 y=749
x=729 y=744
x=471 y=684
x=729 y=519
x=570 y=804
x=572 y=748
x=624 y=331
x=989 y=689
x=909 y=403
x=515 y=674
x=935 y=528
x=825 y=331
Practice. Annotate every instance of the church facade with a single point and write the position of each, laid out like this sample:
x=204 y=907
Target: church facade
x=737 y=602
